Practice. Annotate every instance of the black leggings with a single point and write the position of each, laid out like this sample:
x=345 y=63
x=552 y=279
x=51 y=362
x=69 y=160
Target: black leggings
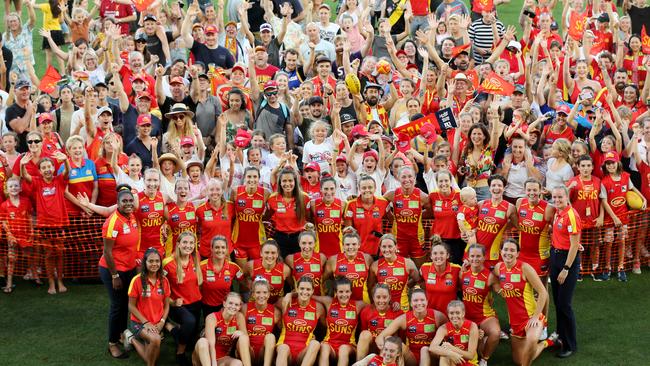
x=189 y=318
x=118 y=313
x=288 y=243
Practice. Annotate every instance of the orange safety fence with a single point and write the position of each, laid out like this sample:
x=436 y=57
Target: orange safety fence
x=81 y=245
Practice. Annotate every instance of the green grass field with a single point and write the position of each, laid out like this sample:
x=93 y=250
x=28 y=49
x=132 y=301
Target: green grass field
x=70 y=329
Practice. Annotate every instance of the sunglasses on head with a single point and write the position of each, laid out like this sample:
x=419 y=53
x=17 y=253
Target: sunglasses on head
x=30 y=142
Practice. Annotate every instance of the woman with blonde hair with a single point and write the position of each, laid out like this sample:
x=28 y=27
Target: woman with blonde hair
x=559 y=169
x=183 y=270
x=180 y=126
x=18 y=39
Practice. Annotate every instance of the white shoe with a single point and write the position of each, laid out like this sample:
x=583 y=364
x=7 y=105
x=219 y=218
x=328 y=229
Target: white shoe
x=482 y=362
x=554 y=336
x=128 y=336
x=503 y=335
x=544 y=334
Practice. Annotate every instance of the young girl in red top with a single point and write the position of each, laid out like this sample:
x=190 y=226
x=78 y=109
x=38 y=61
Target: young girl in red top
x=16 y=218
x=341 y=320
x=184 y=273
x=51 y=215
x=224 y=330
x=308 y=262
x=287 y=210
x=149 y=306
x=261 y=320
x=270 y=268
x=456 y=342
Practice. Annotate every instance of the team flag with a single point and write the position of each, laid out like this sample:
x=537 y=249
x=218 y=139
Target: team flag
x=49 y=80
x=481 y=6
x=412 y=129
x=142 y=5
x=495 y=84
x=645 y=41
x=578 y=24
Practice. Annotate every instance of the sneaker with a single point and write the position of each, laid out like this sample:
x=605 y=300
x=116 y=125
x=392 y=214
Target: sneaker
x=622 y=277
x=482 y=362
x=503 y=335
x=579 y=277
x=554 y=337
x=605 y=276
x=596 y=277
x=544 y=334
x=128 y=336
x=637 y=268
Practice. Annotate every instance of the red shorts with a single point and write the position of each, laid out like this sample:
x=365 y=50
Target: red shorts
x=411 y=247
x=519 y=329
x=540 y=265
x=479 y=319
x=257 y=342
x=415 y=349
x=248 y=251
x=295 y=349
x=336 y=345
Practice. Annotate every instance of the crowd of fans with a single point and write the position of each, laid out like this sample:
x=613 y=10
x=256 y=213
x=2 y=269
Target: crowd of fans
x=248 y=156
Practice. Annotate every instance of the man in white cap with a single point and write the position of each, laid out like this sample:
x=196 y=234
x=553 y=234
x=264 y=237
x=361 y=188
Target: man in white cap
x=271 y=43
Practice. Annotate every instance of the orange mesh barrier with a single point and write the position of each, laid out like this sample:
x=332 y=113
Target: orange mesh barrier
x=81 y=245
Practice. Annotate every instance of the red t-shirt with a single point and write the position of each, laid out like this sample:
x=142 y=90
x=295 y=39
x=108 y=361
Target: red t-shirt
x=441 y=287
x=188 y=290
x=644 y=170
x=445 y=210
x=181 y=220
x=150 y=302
x=566 y=223
x=125 y=231
x=18 y=220
x=110 y=9
x=50 y=201
x=217 y=284
x=328 y=219
x=283 y=213
x=265 y=74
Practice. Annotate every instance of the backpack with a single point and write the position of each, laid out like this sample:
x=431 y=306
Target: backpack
x=264 y=103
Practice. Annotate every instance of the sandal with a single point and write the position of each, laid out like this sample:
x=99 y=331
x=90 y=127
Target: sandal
x=122 y=355
x=8 y=289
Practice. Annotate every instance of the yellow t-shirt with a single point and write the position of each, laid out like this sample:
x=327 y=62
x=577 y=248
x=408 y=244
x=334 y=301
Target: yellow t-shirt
x=49 y=22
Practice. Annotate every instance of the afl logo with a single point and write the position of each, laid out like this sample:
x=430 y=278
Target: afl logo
x=300 y=322
x=470 y=290
x=328 y=221
x=153 y=215
x=249 y=211
x=341 y=322
x=259 y=329
x=527 y=222
x=618 y=202
x=489 y=220
x=406 y=212
x=508 y=286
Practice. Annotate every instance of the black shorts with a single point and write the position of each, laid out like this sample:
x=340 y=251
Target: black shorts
x=57 y=37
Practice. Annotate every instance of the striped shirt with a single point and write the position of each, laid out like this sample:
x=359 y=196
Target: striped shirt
x=481 y=36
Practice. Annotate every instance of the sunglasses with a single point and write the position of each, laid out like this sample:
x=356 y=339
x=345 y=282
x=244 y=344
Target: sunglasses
x=270 y=93
x=30 y=142
x=177 y=116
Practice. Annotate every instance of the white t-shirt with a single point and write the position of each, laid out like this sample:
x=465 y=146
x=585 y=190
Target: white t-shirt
x=329 y=31
x=321 y=154
x=347 y=186
x=378 y=175
x=78 y=118
x=123 y=178
x=430 y=179
x=558 y=177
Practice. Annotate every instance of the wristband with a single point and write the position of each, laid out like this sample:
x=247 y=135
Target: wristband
x=566 y=267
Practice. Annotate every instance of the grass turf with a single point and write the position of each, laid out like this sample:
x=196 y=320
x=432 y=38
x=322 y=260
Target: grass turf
x=70 y=329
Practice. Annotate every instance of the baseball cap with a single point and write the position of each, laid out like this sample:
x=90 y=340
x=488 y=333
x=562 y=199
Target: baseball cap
x=210 y=29
x=347 y=117
x=323 y=5
x=144 y=119
x=266 y=27
x=322 y=58
x=138 y=77
x=22 y=83
x=388 y=139
x=371 y=153
x=140 y=37
x=428 y=131
x=104 y=109
x=400 y=53
x=370 y=85
x=150 y=17
x=271 y=84
x=197 y=25
x=312 y=166
x=519 y=89
x=239 y=67
x=342 y=158
x=143 y=94
x=260 y=48
x=359 y=131
x=611 y=156
x=176 y=80
x=315 y=100
x=187 y=140
x=603 y=18
x=461 y=76
x=514 y=44
x=563 y=108
x=45 y=117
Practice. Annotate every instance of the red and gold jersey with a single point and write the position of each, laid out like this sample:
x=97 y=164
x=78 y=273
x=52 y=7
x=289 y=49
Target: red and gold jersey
x=470 y=215
x=150 y=302
x=3 y=181
x=213 y=222
x=407 y=222
x=18 y=220
x=375 y=321
x=181 y=220
x=274 y=276
x=259 y=324
x=420 y=333
x=284 y=215
x=396 y=276
x=217 y=283
x=552 y=136
x=356 y=271
x=441 y=287
x=615 y=191
x=445 y=210
x=459 y=338
x=492 y=222
x=379 y=361
x=223 y=331
x=125 y=231
x=341 y=324
x=249 y=210
x=367 y=222
x=299 y=324
x=151 y=216
x=188 y=290
x=585 y=198
x=533 y=232
x=328 y=219
x=644 y=171
x=308 y=267
x=477 y=296
x=517 y=292
x=565 y=223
